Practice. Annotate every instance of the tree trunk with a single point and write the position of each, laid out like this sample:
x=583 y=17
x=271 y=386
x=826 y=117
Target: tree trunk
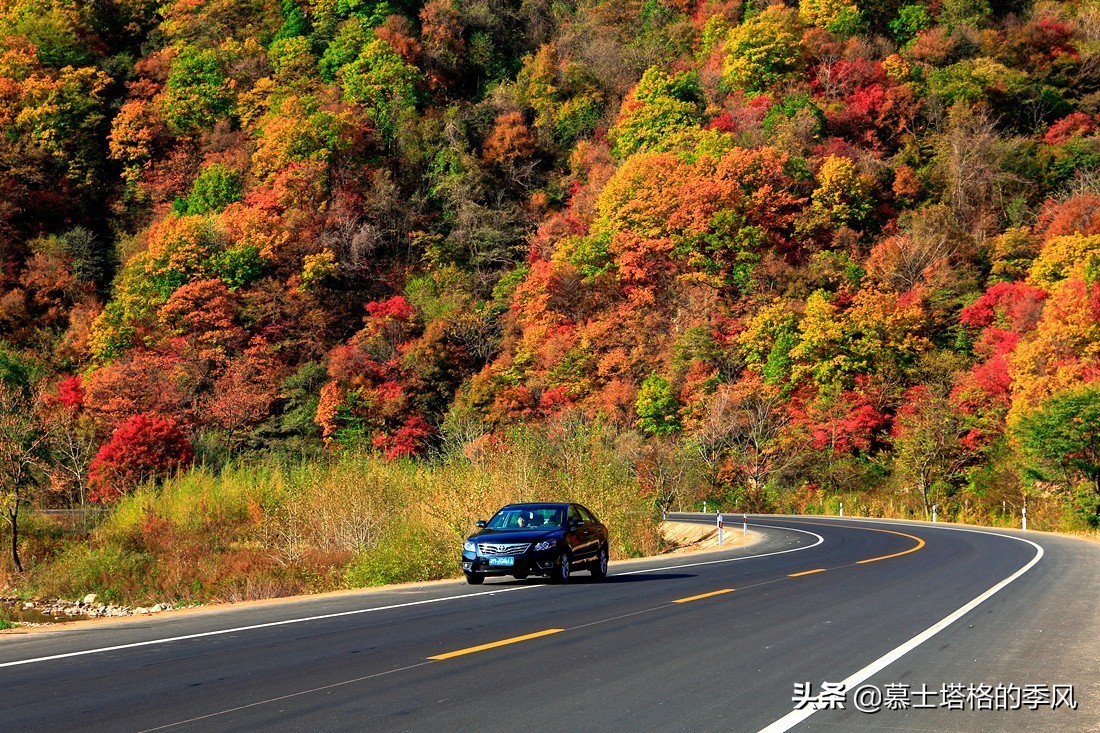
x=13 y=521
x=922 y=483
x=1096 y=495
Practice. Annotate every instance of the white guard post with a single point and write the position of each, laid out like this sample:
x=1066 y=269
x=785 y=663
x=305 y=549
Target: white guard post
x=842 y=509
x=1025 y=517
x=745 y=525
x=719 y=527
x=933 y=513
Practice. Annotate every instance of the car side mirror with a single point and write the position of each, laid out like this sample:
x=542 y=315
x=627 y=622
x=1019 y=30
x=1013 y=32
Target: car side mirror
x=481 y=523
x=575 y=523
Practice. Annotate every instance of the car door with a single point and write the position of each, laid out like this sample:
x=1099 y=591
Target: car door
x=581 y=534
x=599 y=531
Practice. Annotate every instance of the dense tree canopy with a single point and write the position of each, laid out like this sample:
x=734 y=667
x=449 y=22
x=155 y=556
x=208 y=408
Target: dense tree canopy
x=843 y=245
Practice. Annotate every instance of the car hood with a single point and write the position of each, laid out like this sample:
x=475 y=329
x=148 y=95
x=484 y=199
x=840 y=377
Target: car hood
x=516 y=536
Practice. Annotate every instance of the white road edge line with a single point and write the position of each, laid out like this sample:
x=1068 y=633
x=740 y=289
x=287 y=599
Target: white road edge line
x=359 y=611
x=795 y=717
x=252 y=627
x=820 y=539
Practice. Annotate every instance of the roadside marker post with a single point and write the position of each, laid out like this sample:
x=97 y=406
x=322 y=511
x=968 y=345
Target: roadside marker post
x=842 y=509
x=1025 y=517
x=719 y=527
x=933 y=513
x=745 y=525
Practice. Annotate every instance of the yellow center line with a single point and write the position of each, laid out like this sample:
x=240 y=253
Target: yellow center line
x=689 y=599
x=920 y=542
x=806 y=572
x=495 y=644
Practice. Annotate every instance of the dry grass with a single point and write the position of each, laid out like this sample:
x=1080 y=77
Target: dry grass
x=272 y=528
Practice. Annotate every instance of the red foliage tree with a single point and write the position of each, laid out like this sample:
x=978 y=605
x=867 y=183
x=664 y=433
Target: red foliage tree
x=1004 y=313
x=205 y=313
x=242 y=396
x=143 y=381
x=1076 y=124
x=143 y=447
x=409 y=440
x=1079 y=214
x=845 y=424
x=70 y=392
x=1016 y=306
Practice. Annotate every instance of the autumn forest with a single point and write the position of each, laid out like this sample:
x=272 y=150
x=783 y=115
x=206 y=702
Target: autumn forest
x=292 y=292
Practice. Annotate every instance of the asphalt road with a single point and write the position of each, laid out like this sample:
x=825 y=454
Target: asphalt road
x=713 y=641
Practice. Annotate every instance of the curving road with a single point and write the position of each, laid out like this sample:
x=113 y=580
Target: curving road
x=713 y=641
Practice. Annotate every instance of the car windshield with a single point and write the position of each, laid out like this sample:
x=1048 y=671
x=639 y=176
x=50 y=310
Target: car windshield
x=518 y=518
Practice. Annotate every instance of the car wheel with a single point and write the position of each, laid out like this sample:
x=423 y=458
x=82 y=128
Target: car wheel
x=475 y=579
x=599 y=567
x=560 y=573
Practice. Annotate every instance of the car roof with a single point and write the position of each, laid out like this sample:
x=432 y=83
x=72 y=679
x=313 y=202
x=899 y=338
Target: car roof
x=538 y=505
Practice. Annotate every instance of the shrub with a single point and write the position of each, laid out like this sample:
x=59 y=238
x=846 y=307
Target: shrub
x=408 y=554
x=142 y=448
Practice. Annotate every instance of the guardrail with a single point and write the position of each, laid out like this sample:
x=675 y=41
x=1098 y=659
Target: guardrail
x=75 y=521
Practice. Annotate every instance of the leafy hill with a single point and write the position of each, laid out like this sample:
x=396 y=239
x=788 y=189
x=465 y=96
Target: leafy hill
x=786 y=253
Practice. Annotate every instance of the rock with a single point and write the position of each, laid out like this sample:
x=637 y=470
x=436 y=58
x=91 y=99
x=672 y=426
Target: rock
x=57 y=610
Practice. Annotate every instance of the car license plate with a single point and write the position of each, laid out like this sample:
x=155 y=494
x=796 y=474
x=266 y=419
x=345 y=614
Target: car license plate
x=502 y=561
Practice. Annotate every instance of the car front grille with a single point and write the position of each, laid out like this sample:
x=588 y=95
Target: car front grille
x=512 y=549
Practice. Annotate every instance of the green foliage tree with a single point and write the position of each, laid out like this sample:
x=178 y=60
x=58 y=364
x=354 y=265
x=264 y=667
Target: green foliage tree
x=764 y=50
x=293 y=59
x=58 y=31
x=911 y=20
x=350 y=38
x=383 y=83
x=657 y=407
x=295 y=24
x=879 y=333
x=197 y=92
x=216 y=187
x=841 y=17
x=64 y=115
x=659 y=107
x=929 y=446
x=1062 y=437
x=970 y=12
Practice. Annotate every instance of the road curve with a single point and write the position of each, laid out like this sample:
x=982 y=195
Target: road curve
x=712 y=641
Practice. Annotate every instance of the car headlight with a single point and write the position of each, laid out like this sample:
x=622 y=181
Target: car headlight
x=545 y=545
x=469 y=546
